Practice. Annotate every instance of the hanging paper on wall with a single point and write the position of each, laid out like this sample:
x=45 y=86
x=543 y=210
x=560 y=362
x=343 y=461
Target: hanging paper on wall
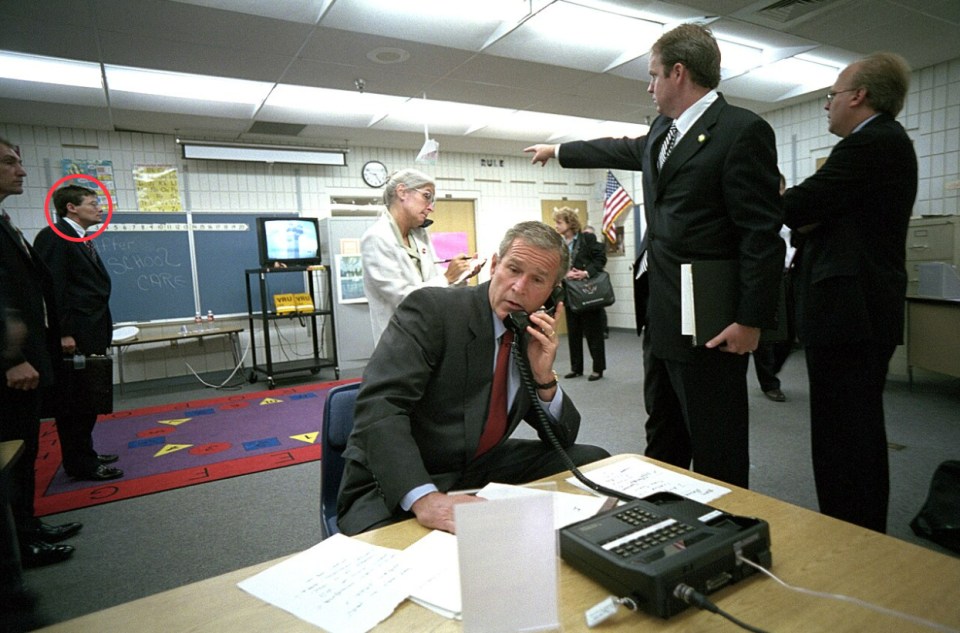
x=102 y=170
x=158 y=188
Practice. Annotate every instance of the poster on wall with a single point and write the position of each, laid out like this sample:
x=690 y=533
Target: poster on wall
x=102 y=170
x=158 y=188
x=350 y=279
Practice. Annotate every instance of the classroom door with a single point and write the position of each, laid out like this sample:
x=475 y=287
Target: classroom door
x=455 y=217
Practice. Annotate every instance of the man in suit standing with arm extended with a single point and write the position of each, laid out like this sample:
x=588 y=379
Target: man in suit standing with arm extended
x=27 y=294
x=82 y=287
x=710 y=192
x=851 y=282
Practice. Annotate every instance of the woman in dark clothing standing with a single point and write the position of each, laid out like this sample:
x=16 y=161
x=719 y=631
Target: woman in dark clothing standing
x=587 y=258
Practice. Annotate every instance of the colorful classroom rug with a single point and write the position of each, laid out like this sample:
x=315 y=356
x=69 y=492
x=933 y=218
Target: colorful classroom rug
x=171 y=446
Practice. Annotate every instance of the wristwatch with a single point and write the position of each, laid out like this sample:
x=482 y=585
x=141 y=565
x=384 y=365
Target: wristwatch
x=551 y=384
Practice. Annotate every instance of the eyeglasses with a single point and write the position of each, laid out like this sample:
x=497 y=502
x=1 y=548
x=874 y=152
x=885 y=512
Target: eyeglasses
x=427 y=195
x=831 y=95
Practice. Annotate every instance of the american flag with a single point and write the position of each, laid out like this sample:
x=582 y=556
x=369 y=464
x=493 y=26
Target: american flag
x=615 y=201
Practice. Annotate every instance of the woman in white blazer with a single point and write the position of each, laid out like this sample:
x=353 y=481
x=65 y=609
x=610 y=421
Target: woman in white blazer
x=397 y=254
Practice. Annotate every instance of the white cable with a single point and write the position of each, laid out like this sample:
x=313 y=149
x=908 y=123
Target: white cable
x=227 y=379
x=856 y=601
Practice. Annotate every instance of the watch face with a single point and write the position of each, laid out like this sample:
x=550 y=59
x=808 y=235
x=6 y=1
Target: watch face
x=374 y=173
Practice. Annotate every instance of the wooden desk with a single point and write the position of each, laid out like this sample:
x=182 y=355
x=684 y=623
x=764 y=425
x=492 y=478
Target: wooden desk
x=231 y=332
x=809 y=550
x=933 y=336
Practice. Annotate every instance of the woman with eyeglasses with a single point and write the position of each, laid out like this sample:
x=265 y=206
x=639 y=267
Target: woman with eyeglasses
x=397 y=254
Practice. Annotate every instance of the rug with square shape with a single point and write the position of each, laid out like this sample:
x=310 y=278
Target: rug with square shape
x=187 y=443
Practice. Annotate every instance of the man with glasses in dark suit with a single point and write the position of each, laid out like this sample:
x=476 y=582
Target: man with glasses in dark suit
x=851 y=280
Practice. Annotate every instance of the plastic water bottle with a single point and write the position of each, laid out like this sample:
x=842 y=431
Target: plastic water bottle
x=209 y=319
x=198 y=322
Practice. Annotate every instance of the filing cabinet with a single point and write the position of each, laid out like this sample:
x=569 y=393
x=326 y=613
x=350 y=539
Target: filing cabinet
x=931 y=239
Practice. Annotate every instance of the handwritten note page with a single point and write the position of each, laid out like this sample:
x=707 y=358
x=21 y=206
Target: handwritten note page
x=436 y=555
x=341 y=585
x=567 y=507
x=641 y=478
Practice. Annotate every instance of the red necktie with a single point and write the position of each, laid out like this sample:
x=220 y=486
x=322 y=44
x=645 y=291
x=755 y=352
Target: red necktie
x=496 y=424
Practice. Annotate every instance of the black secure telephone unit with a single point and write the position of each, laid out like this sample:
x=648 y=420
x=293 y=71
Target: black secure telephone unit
x=518 y=321
x=646 y=547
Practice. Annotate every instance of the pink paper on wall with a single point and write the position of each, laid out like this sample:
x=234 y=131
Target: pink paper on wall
x=449 y=245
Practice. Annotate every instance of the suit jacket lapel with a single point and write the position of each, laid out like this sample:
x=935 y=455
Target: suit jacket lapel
x=692 y=142
x=479 y=363
x=87 y=252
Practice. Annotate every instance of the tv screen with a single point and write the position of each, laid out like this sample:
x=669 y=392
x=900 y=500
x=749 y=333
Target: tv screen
x=288 y=240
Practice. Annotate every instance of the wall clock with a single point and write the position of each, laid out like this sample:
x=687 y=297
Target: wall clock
x=374 y=173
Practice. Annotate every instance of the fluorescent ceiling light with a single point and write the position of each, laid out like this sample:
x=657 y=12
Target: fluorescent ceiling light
x=737 y=58
x=51 y=70
x=186 y=86
x=797 y=76
x=263 y=153
x=324 y=105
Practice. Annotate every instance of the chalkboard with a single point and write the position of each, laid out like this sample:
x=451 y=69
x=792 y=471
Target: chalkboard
x=151 y=262
x=223 y=253
x=151 y=270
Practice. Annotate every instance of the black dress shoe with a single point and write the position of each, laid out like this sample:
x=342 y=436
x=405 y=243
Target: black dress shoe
x=37 y=553
x=776 y=395
x=107 y=459
x=52 y=533
x=597 y=375
x=574 y=374
x=102 y=473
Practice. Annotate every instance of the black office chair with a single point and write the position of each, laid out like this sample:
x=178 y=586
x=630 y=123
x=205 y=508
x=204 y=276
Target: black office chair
x=337 y=424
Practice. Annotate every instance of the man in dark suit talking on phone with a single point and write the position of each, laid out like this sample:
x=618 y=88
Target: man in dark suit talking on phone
x=443 y=392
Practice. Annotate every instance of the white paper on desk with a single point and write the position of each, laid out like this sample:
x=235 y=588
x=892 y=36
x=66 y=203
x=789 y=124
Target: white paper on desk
x=640 y=478
x=508 y=564
x=567 y=507
x=436 y=554
x=341 y=585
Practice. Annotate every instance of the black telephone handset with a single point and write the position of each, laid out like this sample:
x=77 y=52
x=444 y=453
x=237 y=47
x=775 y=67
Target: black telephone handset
x=518 y=321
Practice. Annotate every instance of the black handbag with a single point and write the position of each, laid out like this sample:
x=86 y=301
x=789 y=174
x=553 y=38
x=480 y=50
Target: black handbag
x=591 y=293
x=939 y=519
x=84 y=385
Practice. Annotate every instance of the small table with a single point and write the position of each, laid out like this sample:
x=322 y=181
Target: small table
x=231 y=332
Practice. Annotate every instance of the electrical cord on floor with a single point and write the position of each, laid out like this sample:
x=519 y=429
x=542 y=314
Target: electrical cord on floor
x=526 y=378
x=842 y=598
x=691 y=596
x=223 y=385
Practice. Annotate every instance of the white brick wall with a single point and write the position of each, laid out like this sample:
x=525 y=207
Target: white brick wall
x=504 y=195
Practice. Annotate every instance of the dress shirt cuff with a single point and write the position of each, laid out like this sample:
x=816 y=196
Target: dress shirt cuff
x=411 y=497
x=554 y=408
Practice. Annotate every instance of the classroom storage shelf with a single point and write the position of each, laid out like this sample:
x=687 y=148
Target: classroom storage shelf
x=267 y=315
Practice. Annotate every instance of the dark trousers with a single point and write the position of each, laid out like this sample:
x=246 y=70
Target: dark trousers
x=589 y=324
x=766 y=365
x=697 y=411
x=523 y=461
x=847 y=431
x=513 y=462
x=76 y=443
x=20 y=411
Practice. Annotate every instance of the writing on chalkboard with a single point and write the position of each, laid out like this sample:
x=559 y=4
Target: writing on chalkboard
x=153 y=267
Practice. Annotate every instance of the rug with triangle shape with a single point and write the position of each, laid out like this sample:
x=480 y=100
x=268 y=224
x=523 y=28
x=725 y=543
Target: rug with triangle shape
x=188 y=443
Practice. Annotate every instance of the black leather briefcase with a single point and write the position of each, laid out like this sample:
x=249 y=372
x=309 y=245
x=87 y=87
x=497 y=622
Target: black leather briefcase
x=84 y=385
